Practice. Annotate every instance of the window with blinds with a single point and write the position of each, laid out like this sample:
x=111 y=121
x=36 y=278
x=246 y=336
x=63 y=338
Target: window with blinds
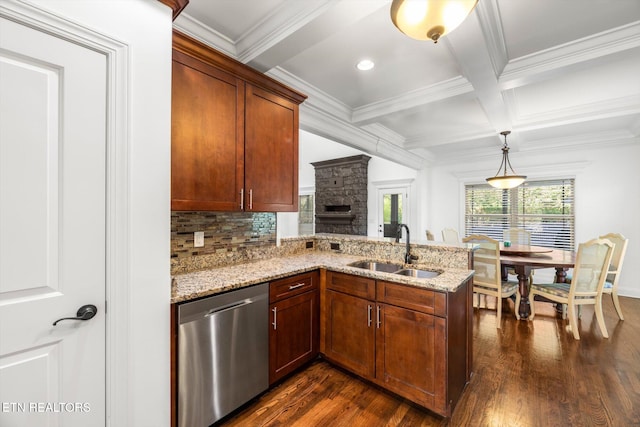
x=544 y=208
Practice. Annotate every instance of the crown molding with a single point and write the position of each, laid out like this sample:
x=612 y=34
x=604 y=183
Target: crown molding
x=201 y=32
x=616 y=107
x=442 y=90
x=526 y=69
x=285 y=20
x=315 y=97
x=606 y=139
x=569 y=169
x=426 y=139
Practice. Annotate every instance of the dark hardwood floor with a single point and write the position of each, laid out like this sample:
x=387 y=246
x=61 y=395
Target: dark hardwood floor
x=525 y=374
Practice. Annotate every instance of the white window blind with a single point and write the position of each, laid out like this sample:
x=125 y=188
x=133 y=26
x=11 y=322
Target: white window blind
x=544 y=208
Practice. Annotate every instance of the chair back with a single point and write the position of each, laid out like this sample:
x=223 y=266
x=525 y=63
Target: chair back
x=486 y=261
x=619 y=250
x=591 y=268
x=449 y=235
x=517 y=236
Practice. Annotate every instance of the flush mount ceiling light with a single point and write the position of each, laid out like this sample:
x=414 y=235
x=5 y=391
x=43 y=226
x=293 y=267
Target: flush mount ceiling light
x=429 y=19
x=505 y=181
x=365 y=65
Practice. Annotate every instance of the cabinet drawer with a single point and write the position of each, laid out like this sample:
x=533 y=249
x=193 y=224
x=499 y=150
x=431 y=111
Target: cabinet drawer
x=352 y=285
x=294 y=285
x=423 y=300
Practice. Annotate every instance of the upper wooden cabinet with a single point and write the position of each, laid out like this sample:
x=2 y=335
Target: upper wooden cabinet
x=234 y=134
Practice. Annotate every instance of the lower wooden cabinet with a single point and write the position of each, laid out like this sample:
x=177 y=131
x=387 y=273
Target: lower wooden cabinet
x=411 y=341
x=410 y=355
x=294 y=323
x=349 y=335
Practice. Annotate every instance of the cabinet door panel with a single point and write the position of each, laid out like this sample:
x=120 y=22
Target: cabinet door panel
x=207 y=137
x=410 y=355
x=293 y=334
x=271 y=152
x=349 y=333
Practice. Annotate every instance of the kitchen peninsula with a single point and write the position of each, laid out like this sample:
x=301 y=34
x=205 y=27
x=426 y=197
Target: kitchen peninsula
x=407 y=334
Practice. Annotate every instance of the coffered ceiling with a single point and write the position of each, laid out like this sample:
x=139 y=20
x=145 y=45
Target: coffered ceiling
x=557 y=73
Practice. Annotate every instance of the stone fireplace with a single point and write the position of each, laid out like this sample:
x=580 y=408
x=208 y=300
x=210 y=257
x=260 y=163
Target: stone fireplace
x=341 y=195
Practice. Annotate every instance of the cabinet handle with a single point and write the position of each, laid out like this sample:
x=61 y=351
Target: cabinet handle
x=378 y=317
x=242 y=199
x=369 y=315
x=275 y=319
x=299 y=285
x=251 y=199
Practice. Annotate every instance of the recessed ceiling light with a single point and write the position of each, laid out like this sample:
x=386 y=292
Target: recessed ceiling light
x=365 y=65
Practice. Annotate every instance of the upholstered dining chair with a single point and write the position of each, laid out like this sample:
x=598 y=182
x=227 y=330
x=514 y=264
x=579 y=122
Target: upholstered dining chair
x=589 y=274
x=450 y=235
x=611 y=284
x=487 y=279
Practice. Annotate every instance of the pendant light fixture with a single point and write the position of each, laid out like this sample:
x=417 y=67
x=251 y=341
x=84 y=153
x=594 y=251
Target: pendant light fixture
x=505 y=181
x=429 y=19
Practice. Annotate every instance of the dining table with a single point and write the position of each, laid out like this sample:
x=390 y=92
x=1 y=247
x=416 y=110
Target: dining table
x=525 y=258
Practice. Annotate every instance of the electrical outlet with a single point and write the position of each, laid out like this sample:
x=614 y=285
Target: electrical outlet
x=198 y=239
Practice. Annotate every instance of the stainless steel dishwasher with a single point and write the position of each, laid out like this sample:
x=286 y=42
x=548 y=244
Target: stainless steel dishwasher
x=223 y=354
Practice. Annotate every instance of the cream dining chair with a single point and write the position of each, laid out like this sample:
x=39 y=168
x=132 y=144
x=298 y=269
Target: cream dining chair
x=517 y=236
x=613 y=276
x=487 y=279
x=450 y=235
x=589 y=274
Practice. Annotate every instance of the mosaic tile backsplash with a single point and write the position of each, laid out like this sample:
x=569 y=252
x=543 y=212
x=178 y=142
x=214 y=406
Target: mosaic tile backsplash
x=223 y=232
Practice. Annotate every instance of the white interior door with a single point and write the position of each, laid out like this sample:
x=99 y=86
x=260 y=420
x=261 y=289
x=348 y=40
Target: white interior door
x=52 y=229
x=393 y=209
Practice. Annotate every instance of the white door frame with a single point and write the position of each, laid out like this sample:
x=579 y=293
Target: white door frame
x=117 y=294
x=403 y=186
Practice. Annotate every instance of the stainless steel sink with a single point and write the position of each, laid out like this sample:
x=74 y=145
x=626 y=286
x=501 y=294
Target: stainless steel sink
x=414 y=272
x=389 y=267
x=386 y=267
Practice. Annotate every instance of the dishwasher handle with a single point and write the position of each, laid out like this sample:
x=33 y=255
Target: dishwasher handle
x=228 y=307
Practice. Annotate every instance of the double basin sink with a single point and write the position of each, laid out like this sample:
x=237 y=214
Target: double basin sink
x=388 y=267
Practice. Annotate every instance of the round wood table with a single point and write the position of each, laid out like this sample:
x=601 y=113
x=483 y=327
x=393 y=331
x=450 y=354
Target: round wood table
x=523 y=260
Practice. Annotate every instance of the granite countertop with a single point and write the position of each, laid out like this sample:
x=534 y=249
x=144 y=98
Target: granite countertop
x=198 y=284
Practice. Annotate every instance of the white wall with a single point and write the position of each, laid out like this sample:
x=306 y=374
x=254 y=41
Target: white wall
x=145 y=26
x=314 y=148
x=607 y=196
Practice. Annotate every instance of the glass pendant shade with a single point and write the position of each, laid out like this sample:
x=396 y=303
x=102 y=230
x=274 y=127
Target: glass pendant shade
x=505 y=181
x=429 y=19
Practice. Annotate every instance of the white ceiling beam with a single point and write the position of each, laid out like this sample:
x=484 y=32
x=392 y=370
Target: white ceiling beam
x=468 y=46
x=320 y=123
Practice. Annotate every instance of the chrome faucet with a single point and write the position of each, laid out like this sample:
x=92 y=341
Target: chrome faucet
x=407 y=256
